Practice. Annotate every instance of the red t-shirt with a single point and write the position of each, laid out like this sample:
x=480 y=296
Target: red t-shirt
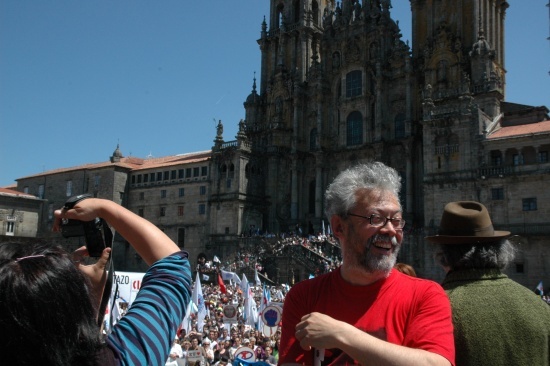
x=400 y=309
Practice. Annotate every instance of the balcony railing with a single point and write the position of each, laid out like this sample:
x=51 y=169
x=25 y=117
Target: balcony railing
x=504 y=170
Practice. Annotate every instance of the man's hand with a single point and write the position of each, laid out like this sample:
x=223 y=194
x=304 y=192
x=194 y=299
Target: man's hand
x=320 y=331
x=317 y=330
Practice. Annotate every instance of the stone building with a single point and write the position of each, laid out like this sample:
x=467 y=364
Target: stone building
x=20 y=214
x=339 y=86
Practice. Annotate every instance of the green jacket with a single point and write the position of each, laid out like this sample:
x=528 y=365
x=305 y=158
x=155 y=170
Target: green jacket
x=496 y=320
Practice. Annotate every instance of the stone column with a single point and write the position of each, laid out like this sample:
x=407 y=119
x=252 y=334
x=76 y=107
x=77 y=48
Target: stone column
x=409 y=174
x=378 y=107
x=408 y=98
x=294 y=172
x=318 y=184
x=294 y=190
x=304 y=56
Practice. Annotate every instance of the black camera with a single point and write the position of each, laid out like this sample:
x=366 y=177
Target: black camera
x=97 y=233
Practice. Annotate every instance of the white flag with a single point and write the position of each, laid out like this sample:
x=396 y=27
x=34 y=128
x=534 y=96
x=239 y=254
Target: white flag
x=256 y=277
x=279 y=295
x=250 y=308
x=116 y=311
x=186 y=323
x=540 y=287
x=216 y=260
x=198 y=300
x=245 y=288
x=228 y=276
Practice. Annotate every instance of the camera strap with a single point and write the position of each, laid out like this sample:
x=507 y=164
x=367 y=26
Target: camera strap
x=110 y=268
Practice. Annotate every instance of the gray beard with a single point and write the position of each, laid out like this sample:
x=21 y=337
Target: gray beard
x=378 y=263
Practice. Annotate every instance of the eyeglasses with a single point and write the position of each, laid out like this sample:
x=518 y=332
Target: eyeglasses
x=381 y=221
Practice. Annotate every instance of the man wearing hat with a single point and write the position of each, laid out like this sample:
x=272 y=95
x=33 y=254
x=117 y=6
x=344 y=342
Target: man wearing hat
x=496 y=320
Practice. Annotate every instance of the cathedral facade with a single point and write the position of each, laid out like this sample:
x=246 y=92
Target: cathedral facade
x=338 y=86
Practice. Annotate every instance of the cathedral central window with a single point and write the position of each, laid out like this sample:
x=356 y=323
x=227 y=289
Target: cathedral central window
x=354 y=83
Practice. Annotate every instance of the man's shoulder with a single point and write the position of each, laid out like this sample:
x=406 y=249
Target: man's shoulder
x=316 y=281
x=411 y=280
x=414 y=284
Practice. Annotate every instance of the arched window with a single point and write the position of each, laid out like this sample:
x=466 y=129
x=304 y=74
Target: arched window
x=280 y=15
x=224 y=171
x=296 y=11
x=496 y=158
x=232 y=171
x=315 y=12
x=354 y=83
x=354 y=123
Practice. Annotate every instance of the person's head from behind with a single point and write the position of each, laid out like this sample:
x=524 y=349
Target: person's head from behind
x=467 y=239
x=43 y=293
x=362 y=205
x=405 y=268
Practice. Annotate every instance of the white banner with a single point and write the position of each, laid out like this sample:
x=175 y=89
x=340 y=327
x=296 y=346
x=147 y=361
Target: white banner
x=129 y=284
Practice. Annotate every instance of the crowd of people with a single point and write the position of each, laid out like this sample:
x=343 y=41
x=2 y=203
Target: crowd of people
x=321 y=252
x=218 y=341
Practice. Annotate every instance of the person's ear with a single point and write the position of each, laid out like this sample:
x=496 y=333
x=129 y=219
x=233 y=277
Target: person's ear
x=337 y=223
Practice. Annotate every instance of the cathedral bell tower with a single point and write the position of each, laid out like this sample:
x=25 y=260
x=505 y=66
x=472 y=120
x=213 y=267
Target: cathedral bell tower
x=458 y=49
x=288 y=45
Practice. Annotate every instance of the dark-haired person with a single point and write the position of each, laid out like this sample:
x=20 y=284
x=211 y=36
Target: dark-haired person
x=44 y=292
x=366 y=312
x=405 y=268
x=496 y=321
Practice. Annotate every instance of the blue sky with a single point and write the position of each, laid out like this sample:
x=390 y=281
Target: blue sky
x=79 y=77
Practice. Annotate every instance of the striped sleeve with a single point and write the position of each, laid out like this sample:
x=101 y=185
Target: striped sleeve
x=145 y=334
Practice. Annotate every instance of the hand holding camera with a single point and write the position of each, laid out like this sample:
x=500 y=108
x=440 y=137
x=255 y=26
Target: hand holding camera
x=83 y=221
x=79 y=217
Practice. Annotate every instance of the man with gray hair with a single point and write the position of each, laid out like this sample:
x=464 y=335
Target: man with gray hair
x=496 y=320
x=365 y=312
